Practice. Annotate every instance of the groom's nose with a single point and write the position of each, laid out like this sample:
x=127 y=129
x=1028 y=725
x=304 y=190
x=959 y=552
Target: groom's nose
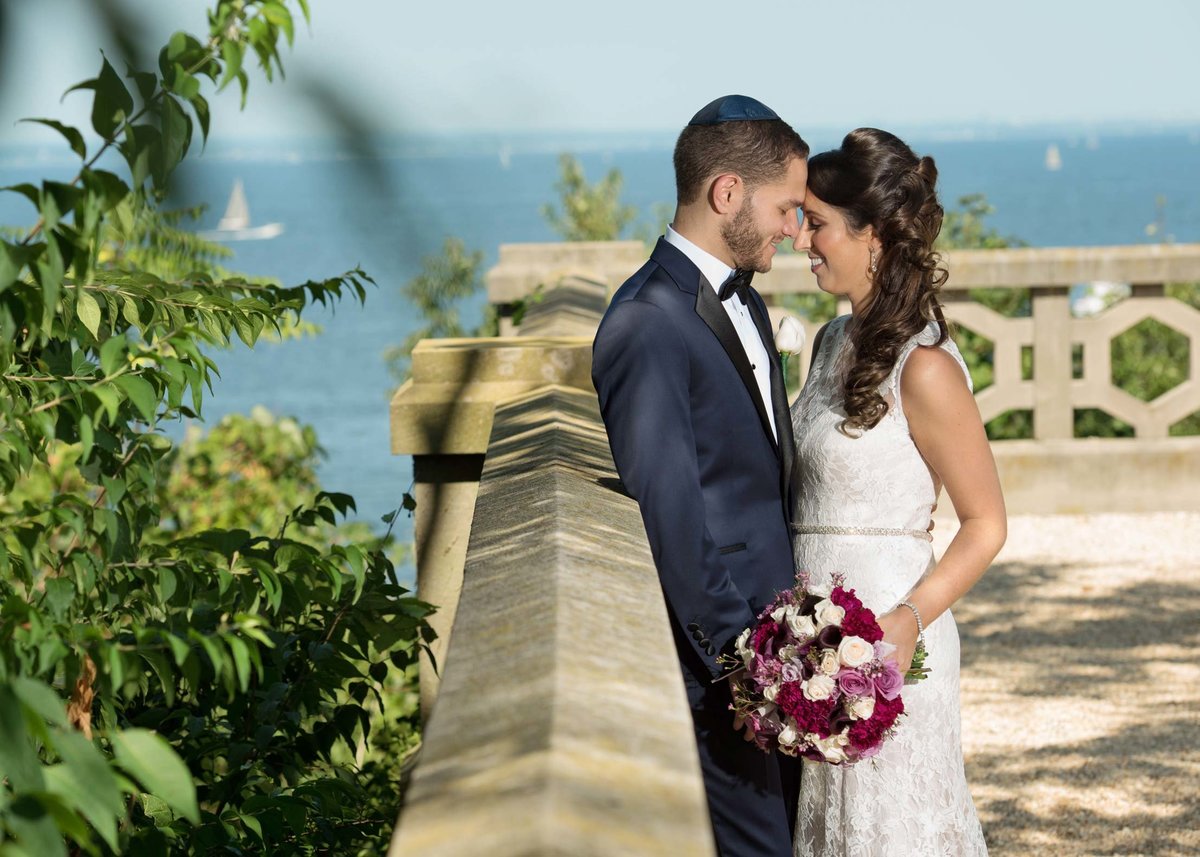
x=803 y=239
x=791 y=224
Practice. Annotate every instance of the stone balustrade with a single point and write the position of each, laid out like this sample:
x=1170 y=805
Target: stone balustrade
x=1054 y=472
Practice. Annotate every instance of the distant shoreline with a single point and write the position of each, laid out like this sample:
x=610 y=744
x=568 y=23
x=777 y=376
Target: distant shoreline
x=459 y=143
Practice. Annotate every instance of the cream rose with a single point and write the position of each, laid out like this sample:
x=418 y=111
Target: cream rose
x=779 y=612
x=855 y=651
x=770 y=692
x=830 y=663
x=818 y=687
x=833 y=748
x=789 y=735
x=801 y=626
x=741 y=648
x=828 y=613
x=861 y=707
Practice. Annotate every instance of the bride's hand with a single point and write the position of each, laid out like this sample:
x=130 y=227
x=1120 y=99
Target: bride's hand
x=900 y=629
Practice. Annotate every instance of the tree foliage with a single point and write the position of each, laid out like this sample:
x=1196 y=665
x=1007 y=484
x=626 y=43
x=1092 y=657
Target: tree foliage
x=590 y=212
x=169 y=683
x=437 y=293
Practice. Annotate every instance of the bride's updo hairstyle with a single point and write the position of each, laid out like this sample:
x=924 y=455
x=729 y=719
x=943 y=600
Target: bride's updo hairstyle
x=876 y=180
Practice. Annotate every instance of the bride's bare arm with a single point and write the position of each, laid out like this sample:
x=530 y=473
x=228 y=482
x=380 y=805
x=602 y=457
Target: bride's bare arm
x=947 y=429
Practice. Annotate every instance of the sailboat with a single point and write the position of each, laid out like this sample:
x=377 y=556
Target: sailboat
x=235 y=224
x=1053 y=158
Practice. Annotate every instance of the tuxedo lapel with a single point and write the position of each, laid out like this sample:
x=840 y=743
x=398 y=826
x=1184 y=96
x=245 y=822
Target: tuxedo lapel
x=779 y=402
x=708 y=307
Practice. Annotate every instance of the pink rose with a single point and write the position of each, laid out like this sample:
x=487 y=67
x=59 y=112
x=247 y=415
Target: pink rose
x=889 y=681
x=855 y=683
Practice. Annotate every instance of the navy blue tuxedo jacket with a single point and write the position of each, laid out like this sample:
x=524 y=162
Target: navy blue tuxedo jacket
x=692 y=443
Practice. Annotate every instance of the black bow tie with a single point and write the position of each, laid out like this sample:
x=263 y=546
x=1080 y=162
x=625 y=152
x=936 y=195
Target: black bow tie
x=737 y=284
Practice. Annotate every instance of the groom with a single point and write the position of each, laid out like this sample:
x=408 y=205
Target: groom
x=693 y=398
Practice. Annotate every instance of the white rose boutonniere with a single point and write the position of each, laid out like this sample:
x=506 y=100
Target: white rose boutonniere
x=789 y=339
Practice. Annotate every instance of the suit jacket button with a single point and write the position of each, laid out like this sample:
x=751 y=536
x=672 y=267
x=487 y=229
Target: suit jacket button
x=692 y=626
x=710 y=650
x=697 y=635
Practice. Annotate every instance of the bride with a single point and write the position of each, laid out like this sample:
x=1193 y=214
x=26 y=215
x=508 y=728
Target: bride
x=886 y=419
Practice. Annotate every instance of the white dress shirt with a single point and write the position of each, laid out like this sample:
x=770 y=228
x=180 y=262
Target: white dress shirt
x=717 y=272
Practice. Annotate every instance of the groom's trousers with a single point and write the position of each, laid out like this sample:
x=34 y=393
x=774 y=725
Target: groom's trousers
x=752 y=795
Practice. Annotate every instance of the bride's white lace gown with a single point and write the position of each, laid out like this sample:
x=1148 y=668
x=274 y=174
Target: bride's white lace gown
x=864 y=508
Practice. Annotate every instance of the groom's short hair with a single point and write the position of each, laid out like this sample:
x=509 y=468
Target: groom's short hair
x=758 y=151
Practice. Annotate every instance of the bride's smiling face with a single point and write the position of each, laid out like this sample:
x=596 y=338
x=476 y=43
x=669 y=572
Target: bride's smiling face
x=840 y=258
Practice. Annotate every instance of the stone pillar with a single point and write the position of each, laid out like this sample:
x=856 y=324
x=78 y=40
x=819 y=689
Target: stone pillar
x=443 y=418
x=1053 y=418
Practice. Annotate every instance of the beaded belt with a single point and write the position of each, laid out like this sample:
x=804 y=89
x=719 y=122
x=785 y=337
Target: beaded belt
x=818 y=529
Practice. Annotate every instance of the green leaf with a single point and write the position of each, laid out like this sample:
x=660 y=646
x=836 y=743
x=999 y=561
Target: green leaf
x=89 y=312
x=112 y=354
x=13 y=259
x=66 y=819
x=175 y=129
x=241 y=660
x=40 y=699
x=129 y=312
x=160 y=771
x=141 y=393
x=113 y=102
x=86 y=782
x=162 y=669
x=35 y=828
x=72 y=134
x=252 y=824
x=156 y=810
x=278 y=15
x=87 y=436
x=110 y=189
x=110 y=402
x=18 y=761
x=232 y=53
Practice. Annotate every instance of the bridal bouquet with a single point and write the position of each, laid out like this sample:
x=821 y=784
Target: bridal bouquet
x=815 y=679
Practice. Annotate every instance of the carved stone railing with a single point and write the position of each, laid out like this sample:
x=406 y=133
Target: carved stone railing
x=1151 y=471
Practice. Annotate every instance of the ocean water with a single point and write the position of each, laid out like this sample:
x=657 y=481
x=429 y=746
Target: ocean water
x=388 y=210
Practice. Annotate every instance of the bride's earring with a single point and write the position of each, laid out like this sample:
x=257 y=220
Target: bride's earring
x=874 y=267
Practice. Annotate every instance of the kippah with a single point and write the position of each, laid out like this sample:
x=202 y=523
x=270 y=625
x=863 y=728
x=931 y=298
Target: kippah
x=733 y=108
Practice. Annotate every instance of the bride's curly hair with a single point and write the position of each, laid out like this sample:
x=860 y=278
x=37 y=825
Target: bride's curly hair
x=876 y=180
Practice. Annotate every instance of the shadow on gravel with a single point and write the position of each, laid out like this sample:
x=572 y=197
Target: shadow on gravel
x=1136 y=790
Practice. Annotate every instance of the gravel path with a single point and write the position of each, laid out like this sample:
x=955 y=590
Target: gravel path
x=1081 y=686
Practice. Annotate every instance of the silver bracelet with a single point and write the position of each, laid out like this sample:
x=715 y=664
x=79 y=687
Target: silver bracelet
x=917 y=614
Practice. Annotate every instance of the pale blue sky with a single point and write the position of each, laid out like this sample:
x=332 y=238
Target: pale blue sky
x=619 y=65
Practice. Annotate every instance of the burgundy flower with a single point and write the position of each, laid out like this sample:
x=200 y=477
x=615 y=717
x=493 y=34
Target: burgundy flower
x=765 y=631
x=810 y=716
x=861 y=622
x=829 y=637
x=845 y=598
x=867 y=734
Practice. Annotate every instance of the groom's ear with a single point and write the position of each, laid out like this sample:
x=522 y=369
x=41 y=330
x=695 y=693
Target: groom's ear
x=725 y=193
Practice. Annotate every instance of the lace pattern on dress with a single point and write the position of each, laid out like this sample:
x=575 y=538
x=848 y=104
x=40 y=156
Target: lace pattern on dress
x=912 y=799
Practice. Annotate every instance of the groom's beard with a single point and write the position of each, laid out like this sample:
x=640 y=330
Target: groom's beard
x=745 y=241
